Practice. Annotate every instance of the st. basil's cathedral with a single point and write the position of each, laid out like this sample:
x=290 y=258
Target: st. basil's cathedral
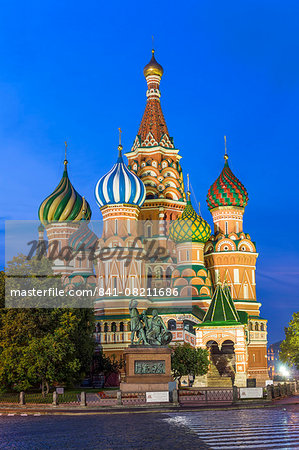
x=203 y=286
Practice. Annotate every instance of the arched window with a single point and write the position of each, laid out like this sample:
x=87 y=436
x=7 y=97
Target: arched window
x=171 y=324
x=149 y=278
x=250 y=326
x=121 y=326
x=256 y=326
x=98 y=328
x=168 y=276
x=226 y=227
x=106 y=328
x=159 y=273
x=149 y=231
x=116 y=226
x=262 y=327
x=113 y=327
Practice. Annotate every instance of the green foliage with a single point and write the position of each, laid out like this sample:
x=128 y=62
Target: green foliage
x=106 y=364
x=187 y=360
x=42 y=345
x=290 y=346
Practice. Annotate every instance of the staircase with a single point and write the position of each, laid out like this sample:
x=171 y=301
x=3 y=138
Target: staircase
x=217 y=381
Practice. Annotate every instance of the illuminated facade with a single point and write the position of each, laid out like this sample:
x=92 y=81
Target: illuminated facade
x=145 y=207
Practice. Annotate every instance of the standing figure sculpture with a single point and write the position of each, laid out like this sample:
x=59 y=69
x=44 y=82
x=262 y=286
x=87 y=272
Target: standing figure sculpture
x=148 y=331
x=158 y=333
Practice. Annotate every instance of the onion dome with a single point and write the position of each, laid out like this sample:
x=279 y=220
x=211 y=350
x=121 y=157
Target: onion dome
x=83 y=238
x=120 y=186
x=190 y=227
x=153 y=67
x=64 y=204
x=227 y=190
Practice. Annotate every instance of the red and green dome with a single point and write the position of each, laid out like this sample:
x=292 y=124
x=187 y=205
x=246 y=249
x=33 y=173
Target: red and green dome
x=227 y=190
x=190 y=227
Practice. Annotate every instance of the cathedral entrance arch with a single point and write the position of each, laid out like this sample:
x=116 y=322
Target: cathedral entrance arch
x=223 y=362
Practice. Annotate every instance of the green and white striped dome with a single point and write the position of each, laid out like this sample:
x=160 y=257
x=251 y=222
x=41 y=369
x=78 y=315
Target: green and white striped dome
x=64 y=204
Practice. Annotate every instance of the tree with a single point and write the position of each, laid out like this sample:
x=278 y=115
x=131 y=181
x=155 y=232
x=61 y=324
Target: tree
x=106 y=364
x=290 y=346
x=187 y=360
x=42 y=345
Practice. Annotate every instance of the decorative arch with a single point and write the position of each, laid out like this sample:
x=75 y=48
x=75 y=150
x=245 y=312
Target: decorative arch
x=204 y=291
x=188 y=273
x=189 y=291
x=246 y=245
x=225 y=245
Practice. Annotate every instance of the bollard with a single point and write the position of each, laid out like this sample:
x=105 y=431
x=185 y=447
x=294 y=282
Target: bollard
x=285 y=392
x=269 y=392
x=83 y=399
x=118 y=396
x=175 y=398
x=235 y=393
x=22 y=398
x=54 y=402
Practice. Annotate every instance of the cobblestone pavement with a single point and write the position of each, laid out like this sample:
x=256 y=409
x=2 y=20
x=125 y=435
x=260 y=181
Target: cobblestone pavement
x=266 y=428
x=273 y=428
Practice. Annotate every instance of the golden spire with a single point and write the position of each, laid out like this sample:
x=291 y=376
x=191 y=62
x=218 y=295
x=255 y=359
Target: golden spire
x=120 y=147
x=225 y=150
x=188 y=187
x=65 y=151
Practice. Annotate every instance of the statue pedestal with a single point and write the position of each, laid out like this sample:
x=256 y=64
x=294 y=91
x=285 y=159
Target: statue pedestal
x=147 y=369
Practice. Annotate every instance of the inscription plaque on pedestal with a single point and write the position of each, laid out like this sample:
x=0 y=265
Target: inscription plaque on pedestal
x=150 y=367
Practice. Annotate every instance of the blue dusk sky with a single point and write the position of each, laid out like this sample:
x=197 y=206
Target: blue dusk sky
x=72 y=71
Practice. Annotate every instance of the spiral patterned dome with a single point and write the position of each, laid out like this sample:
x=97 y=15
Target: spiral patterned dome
x=190 y=227
x=83 y=238
x=120 y=185
x=227 y=190
x=64 y=204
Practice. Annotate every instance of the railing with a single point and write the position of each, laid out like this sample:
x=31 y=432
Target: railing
x=207 y=395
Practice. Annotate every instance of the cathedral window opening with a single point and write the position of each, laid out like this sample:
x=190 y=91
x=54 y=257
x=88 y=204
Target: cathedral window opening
x=226 y=227
x=79 y=262
x=106 y=328
x=236 y=275
x=116 y=226
x=114 y=283
x=113 y=327
x=188 y=255
x=237 y=227
x=243 y=248
x=262 y=327
x=250 y=326
x=256 y=326
x=225 y=248
x=149 y=231
x=171 y=325
x=149 y=279
x=168 y=276
x=245 y=291
x=121 y=326
x=159 y=273
x=128 y=226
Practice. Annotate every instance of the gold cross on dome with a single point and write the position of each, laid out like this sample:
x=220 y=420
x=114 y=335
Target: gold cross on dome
x=120 y=132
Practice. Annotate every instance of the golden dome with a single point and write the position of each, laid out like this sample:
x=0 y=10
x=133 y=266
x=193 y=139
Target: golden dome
x=153 y=67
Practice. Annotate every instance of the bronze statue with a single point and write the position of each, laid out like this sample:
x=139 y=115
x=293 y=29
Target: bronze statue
x=149 y=331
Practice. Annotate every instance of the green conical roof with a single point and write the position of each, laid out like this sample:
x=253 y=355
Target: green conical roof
x=222 y=310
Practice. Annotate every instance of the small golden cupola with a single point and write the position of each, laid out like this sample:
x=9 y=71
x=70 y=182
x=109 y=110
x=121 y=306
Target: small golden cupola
x=153 y=67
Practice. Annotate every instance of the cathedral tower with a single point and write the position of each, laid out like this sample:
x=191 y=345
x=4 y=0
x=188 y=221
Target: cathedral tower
x=155 y=159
